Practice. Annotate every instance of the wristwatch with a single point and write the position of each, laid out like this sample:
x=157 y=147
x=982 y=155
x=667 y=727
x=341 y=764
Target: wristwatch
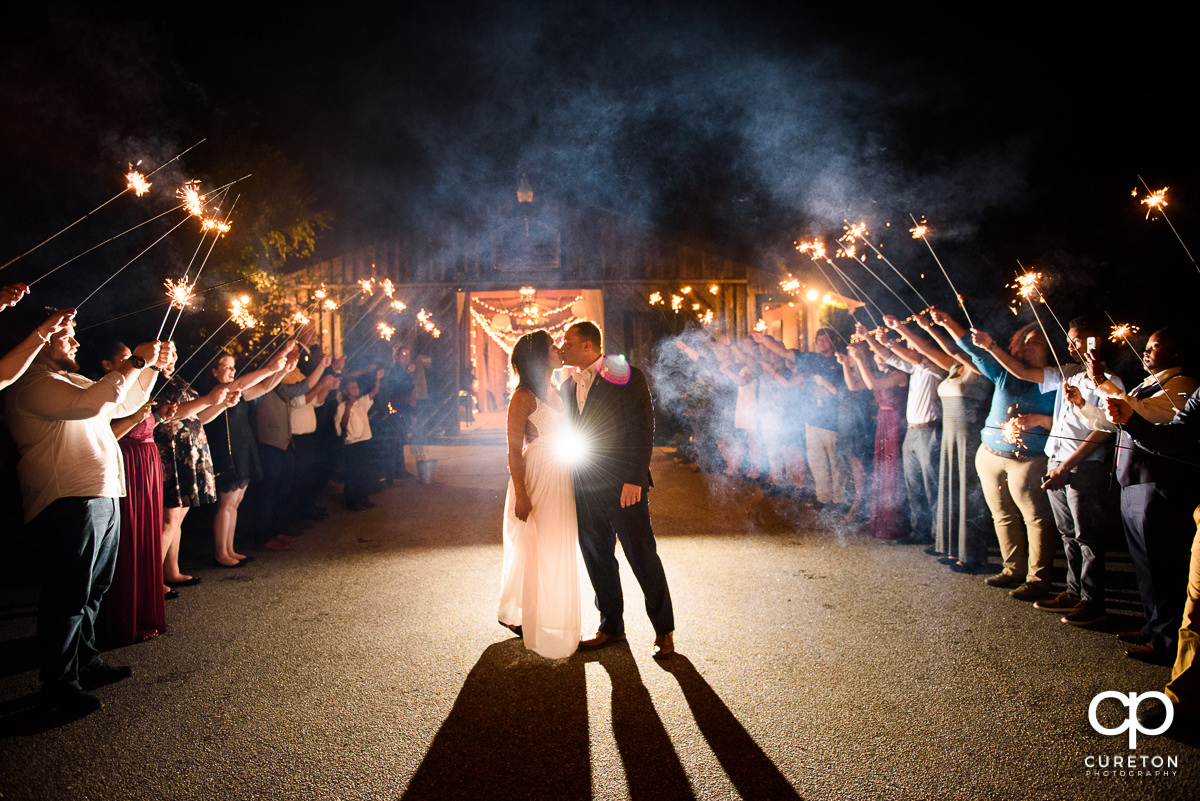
x=137 y=361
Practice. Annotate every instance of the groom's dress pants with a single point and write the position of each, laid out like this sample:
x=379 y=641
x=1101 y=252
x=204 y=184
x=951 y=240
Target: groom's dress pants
x=602 y=522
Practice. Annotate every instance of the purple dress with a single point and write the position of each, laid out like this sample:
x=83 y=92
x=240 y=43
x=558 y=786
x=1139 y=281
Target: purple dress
x=889 y=515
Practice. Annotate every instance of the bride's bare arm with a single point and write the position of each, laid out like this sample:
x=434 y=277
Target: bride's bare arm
x=520 y=407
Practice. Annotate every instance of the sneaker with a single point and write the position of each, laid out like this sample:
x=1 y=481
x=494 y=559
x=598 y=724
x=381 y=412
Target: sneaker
x=1085 y=614
x=1002 y=580
x=1031 y=591
x=1063 y=602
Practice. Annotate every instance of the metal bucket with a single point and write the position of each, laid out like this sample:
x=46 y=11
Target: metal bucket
x=425 y=470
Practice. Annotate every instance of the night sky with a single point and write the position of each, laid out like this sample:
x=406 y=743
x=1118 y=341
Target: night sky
x=745 y=126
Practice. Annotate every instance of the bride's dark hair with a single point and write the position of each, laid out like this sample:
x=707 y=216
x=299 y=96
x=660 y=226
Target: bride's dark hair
x=531 y=362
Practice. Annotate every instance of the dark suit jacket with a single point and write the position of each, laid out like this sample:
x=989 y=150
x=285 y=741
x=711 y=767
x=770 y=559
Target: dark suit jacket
x=618 y=426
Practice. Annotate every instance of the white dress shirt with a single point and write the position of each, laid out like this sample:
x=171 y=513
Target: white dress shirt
x=61 y=424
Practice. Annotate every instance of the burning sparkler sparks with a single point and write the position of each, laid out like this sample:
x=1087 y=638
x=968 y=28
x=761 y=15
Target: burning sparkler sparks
x=137 y=182
x=389 y=289
x=320 y=293
x=815 y=249
x=676 y=302
x=655 y=298
x=1155 y=201
x=329 y=305
x=398 y=305
x=386 y=331
x=790 y=285
x=1122 y=332
x=919 y=231
x=760 y=326
x=299 y=318
x=707 y=318
x=366 y=284
x=213 y=224
x=180 y=292
x=193 y=201
x=240 y=314
x=1027 y=284
x=426 y=321
x=714 y=290
x=1010 y=431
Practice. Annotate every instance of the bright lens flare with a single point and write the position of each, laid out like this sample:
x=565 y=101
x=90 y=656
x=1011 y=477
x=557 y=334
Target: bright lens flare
x=1010 y=432
x=571 y=447
x=1155 y=201
x=179 y=291
x=136 y=181
x=1122 y=332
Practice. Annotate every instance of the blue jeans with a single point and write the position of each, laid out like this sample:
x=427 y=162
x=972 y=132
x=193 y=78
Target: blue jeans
x=77 y=538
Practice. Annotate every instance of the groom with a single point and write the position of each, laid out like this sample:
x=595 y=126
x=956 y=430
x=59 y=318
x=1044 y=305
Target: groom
x=608 y=403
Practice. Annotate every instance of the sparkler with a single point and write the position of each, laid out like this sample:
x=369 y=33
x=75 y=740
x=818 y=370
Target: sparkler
x=193 y=201
x=847 y=251
x=386 y=331
x=655 y=298
x=1010 y=432
x=222 y=227
x=1122 y=333
x=179 y=292
x=860 y=231
x=816 y=251
x=1157 y=202
x=136 y=182
x=921 y=231
x=239 y=314
x=426 y=321
x=1027 y=286
x=127 y=188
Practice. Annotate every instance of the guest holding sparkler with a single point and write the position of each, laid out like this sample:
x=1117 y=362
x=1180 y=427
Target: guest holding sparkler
x=1075 y=477
x=888 y=520
x=922 y=440
x=821 y=432
x=1177 y=439
x=1157 y=495
x=1011 y=467
x=133 y=609
x=235 y=457
x=71 y=477
x=354 y=426
x=188 y=478
x=854 y=441
x=961 y=528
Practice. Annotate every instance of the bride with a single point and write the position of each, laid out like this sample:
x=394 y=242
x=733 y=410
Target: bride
x=539 y=583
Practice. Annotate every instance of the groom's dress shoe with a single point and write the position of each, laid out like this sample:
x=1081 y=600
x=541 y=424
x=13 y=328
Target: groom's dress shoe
x=599 y=641
x=664 y=645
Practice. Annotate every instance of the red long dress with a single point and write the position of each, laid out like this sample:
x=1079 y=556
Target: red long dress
x=889 y=513
x=133 y=609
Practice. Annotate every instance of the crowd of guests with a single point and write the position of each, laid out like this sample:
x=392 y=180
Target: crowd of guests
x=928 y=433
x=110 y=465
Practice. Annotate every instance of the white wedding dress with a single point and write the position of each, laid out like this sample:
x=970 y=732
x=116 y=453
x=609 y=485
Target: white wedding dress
x=539 y=583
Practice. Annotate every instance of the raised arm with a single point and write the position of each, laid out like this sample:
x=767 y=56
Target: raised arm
x=1016 y=367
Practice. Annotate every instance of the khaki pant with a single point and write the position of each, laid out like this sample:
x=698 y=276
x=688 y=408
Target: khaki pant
x=1021 y=512
x=1184 y=687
